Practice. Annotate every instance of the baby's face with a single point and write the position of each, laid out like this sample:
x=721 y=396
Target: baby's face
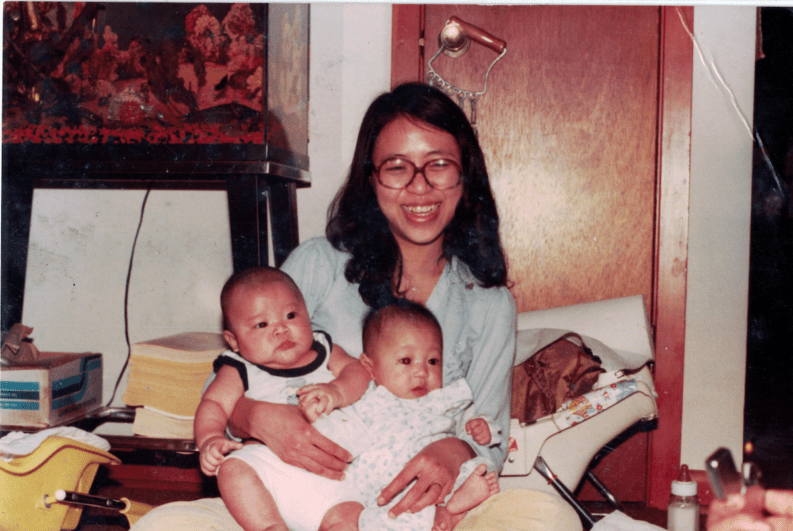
x=406 y=358
x=269 y=325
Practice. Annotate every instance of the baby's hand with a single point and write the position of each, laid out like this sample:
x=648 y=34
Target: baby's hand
x=318 y=399
x=213 y=451
x=479 y=430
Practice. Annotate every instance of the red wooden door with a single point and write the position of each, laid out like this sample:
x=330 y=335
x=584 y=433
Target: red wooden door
x=571 y=126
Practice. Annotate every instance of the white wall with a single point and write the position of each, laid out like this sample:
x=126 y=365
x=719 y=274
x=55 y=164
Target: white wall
x=80 y=241
x=79 y=252
x=350 y=66
x=718 y=252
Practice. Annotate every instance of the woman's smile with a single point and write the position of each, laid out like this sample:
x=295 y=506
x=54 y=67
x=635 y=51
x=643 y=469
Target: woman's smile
x=421 y=212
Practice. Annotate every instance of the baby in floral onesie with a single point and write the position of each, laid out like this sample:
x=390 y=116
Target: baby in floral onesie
x=404 y=409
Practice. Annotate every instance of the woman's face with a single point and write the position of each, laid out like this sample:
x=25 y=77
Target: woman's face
x=417 y=214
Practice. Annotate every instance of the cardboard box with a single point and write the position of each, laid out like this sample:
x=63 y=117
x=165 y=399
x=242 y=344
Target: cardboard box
x=52 y=390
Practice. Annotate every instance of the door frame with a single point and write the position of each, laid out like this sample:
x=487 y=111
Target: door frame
x=673 y=162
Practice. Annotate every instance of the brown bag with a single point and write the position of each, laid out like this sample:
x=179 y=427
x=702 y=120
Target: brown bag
x=559 y=372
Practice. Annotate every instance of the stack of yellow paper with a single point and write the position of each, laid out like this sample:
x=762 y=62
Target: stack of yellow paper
x=166 y=377
x=151 y=422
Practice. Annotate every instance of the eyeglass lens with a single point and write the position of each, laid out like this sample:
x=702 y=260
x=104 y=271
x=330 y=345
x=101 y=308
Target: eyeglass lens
x=439 y=173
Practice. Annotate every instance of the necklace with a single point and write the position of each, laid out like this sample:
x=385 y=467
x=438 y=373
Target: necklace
x=422 y=284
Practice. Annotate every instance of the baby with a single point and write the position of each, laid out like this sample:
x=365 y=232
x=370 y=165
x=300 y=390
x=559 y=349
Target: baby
x=406 y=410
x=275 y=355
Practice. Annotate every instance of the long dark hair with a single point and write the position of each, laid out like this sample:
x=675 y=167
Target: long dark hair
x=356 y=224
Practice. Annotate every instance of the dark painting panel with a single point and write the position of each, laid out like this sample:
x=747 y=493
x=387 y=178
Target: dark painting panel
x=134 y=72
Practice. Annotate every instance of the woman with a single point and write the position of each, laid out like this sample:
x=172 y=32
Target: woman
x=416 y=219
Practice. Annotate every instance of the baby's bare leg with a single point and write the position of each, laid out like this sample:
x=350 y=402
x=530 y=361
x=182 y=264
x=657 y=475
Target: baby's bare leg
x=479 y=486
x=248 y=501
x=342 y=517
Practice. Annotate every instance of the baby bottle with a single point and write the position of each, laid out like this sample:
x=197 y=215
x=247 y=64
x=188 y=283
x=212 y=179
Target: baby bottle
x=683 y=508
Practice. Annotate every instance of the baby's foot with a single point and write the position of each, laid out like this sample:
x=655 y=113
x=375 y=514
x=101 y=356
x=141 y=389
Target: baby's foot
x=479 y=486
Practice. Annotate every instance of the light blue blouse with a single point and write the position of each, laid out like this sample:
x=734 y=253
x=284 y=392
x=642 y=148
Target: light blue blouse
x=478 y=326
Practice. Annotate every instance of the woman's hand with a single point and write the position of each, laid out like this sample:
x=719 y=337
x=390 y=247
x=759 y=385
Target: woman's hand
x=435 y=470
x=757 y=510
x=289 y=435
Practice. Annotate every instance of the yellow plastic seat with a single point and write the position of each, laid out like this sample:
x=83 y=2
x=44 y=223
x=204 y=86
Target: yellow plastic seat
x=27 y=481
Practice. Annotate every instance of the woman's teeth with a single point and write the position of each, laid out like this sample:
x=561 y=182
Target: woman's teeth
x=424 y=209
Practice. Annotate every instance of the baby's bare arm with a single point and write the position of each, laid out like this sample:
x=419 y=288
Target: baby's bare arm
x=217 y=404
x=348 y=386
x=213 y=413
x=352 y=378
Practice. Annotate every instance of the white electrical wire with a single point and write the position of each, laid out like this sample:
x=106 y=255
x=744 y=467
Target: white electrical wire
x=719 y=82
x=712 y=70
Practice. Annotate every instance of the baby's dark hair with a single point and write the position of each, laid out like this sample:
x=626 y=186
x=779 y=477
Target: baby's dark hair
x=254 y=276
x=412 y=312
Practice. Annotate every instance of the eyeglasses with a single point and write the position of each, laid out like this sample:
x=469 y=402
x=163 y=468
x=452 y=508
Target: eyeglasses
x=397 y=173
